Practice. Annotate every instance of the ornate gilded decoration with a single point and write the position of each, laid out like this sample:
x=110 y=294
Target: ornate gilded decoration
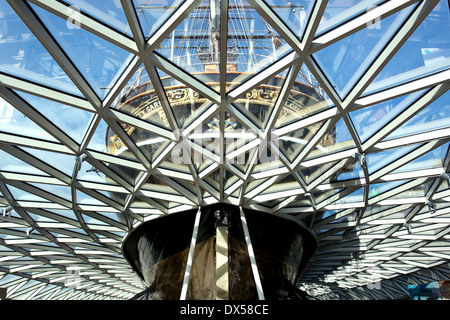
x=148 y=106
x=228 y=125
x=115 y=144
x=263 y=96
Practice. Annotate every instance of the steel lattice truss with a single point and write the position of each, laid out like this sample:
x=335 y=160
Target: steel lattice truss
x=376 y=197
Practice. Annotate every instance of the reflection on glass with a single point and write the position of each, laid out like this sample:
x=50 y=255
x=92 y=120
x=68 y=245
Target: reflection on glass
x=13 y=121
x=312 y=173
x=432 y=159
x=24 y=56
x=352 y=170
x=258 y=104
x=369 y=120
x=305 y=99
x=62 y=162
x=378 y=160
x=91 y=173
x=425 y=52
x=345 y=61
x=293 y=143
x=356 y=196
x=337 y=139
x=152 y=14
x=98 y=60
x=10 y=163
x=379 y=188
x=337 y=12
x=186 y=103
x=252 y=43
x=294 y=13
x=139 y=99
x=435 y=116
x=22 y=195
x=71 y=120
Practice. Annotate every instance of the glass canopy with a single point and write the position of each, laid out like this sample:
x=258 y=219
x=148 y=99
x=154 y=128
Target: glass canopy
x=332 y=114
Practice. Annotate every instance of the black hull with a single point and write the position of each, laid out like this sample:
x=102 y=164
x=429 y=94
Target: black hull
x=158 y=252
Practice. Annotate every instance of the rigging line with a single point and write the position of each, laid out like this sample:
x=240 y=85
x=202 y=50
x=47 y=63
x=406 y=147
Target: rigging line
x=245 y=38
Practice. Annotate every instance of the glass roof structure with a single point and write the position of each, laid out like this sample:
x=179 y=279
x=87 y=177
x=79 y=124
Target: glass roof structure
x=361 y=158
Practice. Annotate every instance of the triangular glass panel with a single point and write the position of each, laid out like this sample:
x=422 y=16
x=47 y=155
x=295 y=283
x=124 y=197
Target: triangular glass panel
x=239 y=143
x=252 y=43
x=312 y=173
x=345 y=61
x=414 y=192
x=22 y=195
x=352 y=170
x=325 y=195
x=63 y=162
x=444 y=185
x=178 y=160
x=14 y=121
x=213 y=179
x=10 y=163
x=432 y=159
x=368 y=120
x=187 y=104
x=71 y=120
x=139 y=99
x=64 y=213
x=355 y=196
x=90 y=173
x=294 y=13
x=24 y=56
x=380 y=188
x=107 y=141
x=337 y=139
x=254 y=184
x=338 y=12
x=98 y=60
x=161 y=191
x=287 y=188
x=194 y=45
x=109 y=12
x=378 y=160
x=57 y=190
x=85 y=199
x=124 y=172
x=91 y=220
x=41 y=218
x=150 y=144
x=205 y=142
x=293 y=143
x=426 y=51
x=113 y=216
x=99 y=141
x=434 y=116
x=230 y=180
x=258 y=104
x=305 y=99
x=152 y=14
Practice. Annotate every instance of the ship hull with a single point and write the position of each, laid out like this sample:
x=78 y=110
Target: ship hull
x=158 y=251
